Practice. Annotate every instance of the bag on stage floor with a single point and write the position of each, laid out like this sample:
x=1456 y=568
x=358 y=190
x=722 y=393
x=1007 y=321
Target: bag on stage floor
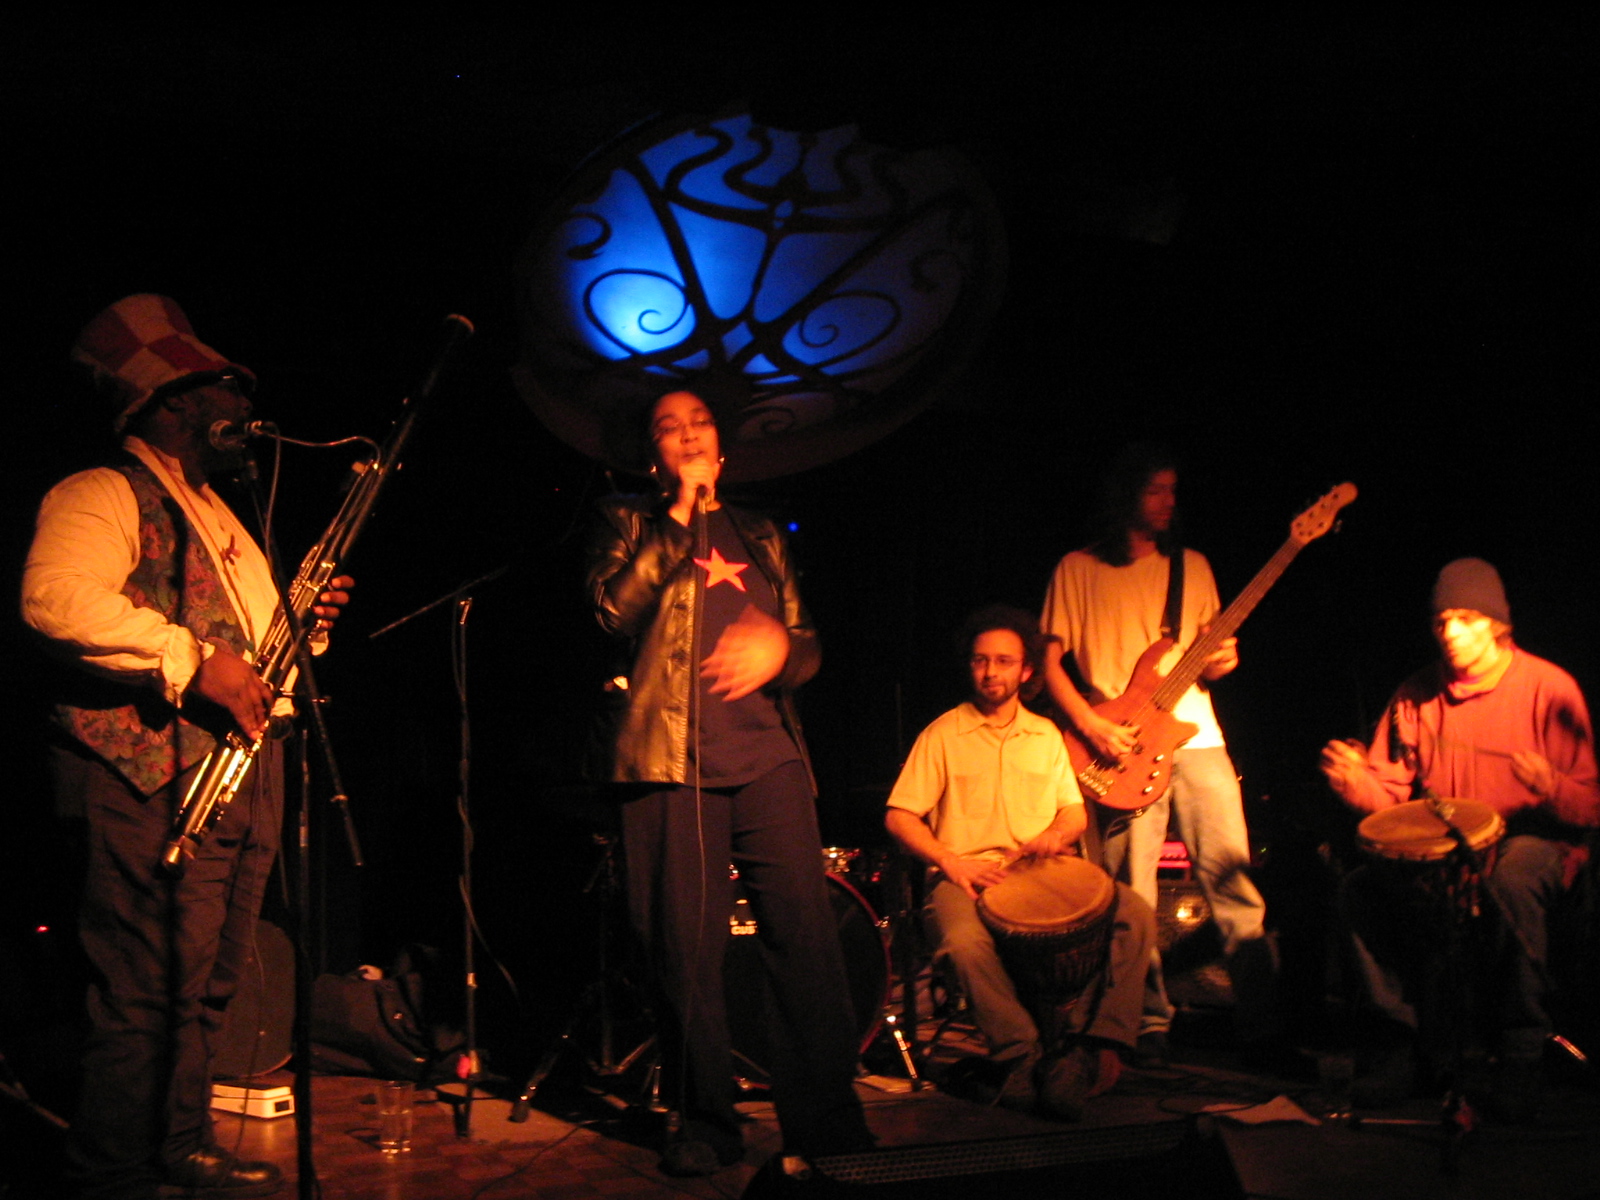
x=377 y=1026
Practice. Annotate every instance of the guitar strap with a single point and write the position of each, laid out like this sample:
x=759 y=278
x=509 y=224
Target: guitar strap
x=1172 y=615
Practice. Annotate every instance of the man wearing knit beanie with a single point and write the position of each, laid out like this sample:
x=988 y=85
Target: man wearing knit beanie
x=152 y=598
x=1494 y=724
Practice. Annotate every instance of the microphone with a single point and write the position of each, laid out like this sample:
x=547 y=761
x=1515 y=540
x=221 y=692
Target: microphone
x=230 y=435
x=457 y=329
x=702 y=531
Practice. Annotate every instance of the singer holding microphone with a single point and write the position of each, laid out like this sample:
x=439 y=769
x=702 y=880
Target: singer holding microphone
x=706 y=596
x=151 y=597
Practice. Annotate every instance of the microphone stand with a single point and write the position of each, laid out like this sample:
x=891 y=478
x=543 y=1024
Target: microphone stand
x=300 y=898
x=462 y=598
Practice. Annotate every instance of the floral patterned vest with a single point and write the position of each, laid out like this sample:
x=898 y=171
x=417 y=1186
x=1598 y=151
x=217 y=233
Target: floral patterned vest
x=133 y=728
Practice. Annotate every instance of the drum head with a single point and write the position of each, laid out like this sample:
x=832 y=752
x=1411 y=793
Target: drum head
x=1412 y=832
x=1047 y=895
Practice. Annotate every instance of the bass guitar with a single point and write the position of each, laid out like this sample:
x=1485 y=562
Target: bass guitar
x=1140 y=777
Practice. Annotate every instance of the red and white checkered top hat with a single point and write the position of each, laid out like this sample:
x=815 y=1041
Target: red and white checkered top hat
x=142 y=345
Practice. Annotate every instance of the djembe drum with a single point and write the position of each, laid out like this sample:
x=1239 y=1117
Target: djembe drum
x=1051 y=921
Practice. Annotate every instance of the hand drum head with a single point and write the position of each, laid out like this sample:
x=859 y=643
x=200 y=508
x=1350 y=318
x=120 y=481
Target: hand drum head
x=1412 y=832
x=1046 y=896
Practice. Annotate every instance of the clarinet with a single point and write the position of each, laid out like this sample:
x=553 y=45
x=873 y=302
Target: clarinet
x=225 y=769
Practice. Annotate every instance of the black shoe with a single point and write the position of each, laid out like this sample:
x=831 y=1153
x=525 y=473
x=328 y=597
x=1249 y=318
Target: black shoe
x=701 y=1148
x=685 y=1160
x=212 y=1172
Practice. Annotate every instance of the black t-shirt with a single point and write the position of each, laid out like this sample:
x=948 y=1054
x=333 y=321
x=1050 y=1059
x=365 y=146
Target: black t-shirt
x=740 y=741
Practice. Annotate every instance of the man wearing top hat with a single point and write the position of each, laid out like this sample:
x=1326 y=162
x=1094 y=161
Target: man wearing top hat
x=152 y=598
x=1492 y=723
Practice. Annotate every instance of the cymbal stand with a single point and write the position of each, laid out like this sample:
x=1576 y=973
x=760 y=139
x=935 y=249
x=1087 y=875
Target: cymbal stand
x=901 y=928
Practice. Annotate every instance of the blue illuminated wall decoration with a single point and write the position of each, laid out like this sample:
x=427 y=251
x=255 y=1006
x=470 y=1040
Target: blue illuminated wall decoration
x=828 y=284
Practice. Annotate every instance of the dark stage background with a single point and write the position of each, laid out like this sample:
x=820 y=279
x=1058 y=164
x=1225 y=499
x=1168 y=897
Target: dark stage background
x=1301 y=250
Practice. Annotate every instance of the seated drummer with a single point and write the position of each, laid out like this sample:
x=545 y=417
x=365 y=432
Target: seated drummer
x=1494 y=724
x=986 y=784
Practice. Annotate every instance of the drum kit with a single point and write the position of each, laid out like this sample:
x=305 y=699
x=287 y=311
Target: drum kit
x=863 y=936
x=611 y=1005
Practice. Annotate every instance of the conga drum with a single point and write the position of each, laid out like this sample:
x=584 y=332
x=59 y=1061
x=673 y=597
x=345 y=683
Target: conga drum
x=1051 y=921
x=1416 y=843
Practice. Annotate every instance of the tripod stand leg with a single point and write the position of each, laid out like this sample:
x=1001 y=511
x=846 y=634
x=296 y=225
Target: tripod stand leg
x=11 y=1088
x=593 y=1000
x=524 y=1101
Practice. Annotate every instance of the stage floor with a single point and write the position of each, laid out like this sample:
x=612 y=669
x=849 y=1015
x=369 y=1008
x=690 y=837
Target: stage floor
x=1144 y=1139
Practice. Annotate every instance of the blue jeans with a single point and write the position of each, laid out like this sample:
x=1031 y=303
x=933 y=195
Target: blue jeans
x=1209 y=808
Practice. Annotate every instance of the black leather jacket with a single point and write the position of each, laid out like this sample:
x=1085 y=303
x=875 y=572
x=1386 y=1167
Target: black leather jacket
x=642 y=582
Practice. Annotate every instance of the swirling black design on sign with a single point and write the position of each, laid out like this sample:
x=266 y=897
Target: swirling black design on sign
x=835 y=281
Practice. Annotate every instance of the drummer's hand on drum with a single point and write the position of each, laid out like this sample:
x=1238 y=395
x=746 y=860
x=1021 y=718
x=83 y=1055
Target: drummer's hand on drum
x=1110 y=740
x=972 y=875
x=1344 y=763
x=1534 y=772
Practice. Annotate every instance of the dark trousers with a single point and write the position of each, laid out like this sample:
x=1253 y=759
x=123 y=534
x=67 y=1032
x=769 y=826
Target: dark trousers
x=165 y=956
x=679 y=900
x=1401 y=928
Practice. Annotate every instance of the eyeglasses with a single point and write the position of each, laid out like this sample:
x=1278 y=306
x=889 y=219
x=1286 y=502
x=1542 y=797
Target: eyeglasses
x=672 y=429
x=1004 y=661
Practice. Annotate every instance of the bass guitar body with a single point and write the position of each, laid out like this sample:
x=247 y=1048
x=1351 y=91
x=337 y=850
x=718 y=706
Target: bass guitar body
x=1141 y=777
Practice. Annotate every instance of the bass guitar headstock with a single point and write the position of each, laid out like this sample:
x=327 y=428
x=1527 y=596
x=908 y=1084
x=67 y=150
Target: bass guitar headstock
x=1319 y=518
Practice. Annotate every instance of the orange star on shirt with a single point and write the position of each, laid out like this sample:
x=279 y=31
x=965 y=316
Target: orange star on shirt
x=719 y=569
